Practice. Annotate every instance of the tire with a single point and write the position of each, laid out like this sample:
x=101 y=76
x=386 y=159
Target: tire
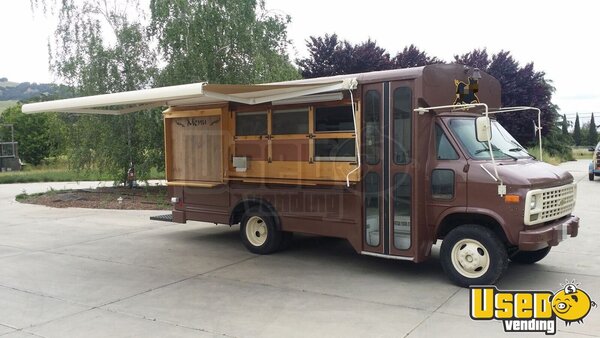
x=529 y=257
x=473 y=255
x=591 y=176
x=259 y=232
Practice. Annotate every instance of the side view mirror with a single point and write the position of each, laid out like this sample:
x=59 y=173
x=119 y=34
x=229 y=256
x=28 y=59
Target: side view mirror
x=483 y=129
x=591 y=148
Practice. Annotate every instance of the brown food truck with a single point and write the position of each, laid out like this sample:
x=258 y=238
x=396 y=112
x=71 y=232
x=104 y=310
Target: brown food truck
x=392 y=161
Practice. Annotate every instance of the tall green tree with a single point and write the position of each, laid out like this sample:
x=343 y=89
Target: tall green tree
x=39 y=136
x=592 y=136
x=103 y=46
x=220 y=41
x=565 y=125
x=81 y=56
x=577 y=131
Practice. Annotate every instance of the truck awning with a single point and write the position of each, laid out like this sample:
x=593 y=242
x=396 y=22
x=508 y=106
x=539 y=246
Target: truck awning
x=186 y=95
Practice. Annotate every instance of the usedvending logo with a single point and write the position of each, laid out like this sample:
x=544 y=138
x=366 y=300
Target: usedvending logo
x=530 y=311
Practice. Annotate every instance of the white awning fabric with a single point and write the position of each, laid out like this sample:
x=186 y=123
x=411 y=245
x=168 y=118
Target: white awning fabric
x=186 y=95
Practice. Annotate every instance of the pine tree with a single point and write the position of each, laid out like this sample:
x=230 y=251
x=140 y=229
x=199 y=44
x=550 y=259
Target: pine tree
x=577 y=131
x=592 y=133
x=565 y=125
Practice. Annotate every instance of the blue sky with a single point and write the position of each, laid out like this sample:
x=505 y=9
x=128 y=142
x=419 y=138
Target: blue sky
x=559 y=37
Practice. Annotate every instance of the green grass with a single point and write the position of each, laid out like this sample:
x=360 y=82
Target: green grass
x=6 y=104
x=579 y=153
x=51 y=175
x=46 y=174
x=535 y=151
x=582 y=153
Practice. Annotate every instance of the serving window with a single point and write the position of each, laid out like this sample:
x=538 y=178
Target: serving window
x=251 y=123
x=334 y=134
x=290 y=121
x=335 y=149
x=309 y=142
x=334 y=119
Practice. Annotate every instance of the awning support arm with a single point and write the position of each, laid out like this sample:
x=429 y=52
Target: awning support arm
x=356 y=138
x=538 y=128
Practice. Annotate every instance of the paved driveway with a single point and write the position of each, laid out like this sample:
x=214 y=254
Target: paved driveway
x=106 y=273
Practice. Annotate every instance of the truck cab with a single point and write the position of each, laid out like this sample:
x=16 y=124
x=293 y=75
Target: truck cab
x=520 y=224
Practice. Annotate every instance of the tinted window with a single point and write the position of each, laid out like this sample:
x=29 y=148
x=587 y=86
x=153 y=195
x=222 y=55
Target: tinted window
x=252 y=123
x=402 y=210
x=335 y=149
x=372 y=209
x=442 y=184
x=372 y=123
x=334 y=119
x=444 y=149
x=402 y=124
x=293 y=121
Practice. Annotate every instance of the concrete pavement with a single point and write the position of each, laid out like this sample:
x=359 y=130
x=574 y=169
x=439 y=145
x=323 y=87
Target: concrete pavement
x=107 y=273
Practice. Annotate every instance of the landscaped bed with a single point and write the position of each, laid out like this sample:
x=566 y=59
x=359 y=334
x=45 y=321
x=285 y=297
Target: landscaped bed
x=140 y=198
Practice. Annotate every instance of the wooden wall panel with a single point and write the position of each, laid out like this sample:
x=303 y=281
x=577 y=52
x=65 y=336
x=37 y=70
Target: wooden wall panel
x=290 y=150
x=196 y=149
x=255 y=150
x=317 y=171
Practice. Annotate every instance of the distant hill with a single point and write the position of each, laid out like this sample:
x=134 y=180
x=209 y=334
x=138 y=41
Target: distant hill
x=5 y=83
x=12 y=91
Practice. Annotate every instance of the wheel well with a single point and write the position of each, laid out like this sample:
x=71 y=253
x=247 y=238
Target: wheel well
x=454 y=220
x=240 y=209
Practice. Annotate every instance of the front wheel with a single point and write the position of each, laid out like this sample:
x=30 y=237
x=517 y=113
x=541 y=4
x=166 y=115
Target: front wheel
x=530 y=257
x=259 y=232
x=591 y=176
x=473 y=255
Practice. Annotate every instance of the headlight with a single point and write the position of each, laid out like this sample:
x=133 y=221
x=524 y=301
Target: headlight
x=533 y=202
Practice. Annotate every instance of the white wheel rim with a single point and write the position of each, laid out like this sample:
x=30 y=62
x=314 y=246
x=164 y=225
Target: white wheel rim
x=470 y=258
x=256 y=231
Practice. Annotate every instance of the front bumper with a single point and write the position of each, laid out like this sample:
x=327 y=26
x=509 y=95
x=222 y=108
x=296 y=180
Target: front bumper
x=549 y=235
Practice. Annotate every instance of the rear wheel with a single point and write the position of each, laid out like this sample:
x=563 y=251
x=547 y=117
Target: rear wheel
x=530 y=257
x=591 y=176
x=473 y=255
x=259 y=232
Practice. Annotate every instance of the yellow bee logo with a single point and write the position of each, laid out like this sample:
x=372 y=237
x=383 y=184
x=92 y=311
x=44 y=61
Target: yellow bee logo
x=571 y=304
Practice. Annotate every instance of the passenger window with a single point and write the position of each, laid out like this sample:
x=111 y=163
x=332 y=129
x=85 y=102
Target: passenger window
x=402 y=124
x=335 y=149
x=251 y=123
x=442 y=184
x=332 y=119
x=372 y=126
x=402 y=210
x=444 y=149
x=291 y=121
x=372 y=214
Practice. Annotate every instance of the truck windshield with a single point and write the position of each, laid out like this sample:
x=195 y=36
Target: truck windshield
x=504 y=146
